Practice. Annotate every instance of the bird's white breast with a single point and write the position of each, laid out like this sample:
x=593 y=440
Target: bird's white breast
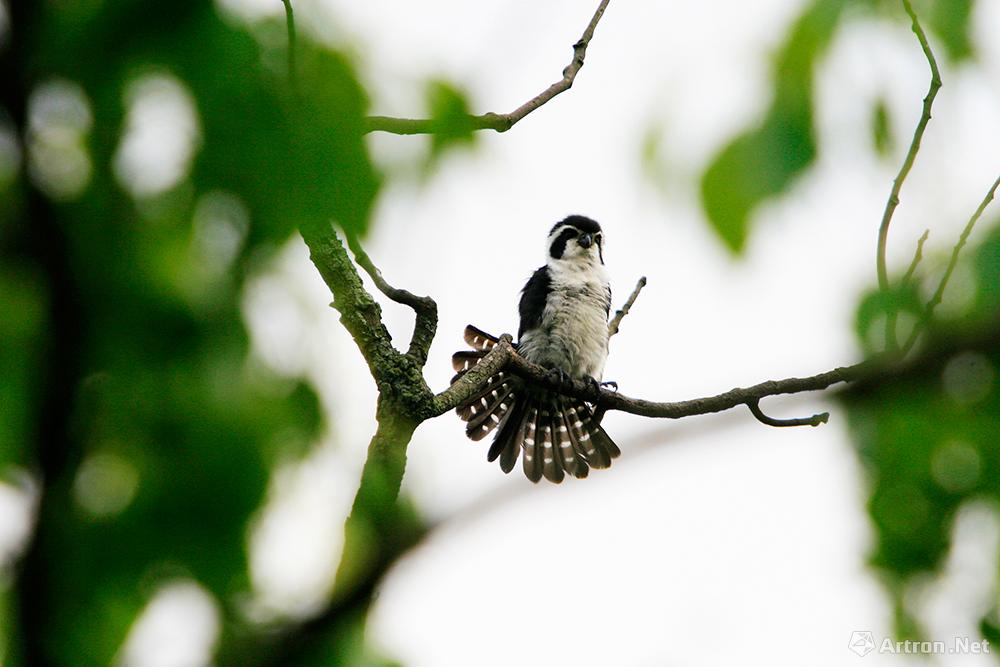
x=573 y=332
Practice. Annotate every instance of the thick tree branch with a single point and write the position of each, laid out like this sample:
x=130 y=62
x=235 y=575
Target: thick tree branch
x=424 y=307
x=472 y=382
x=904 y=170
x=377 y=532
x=359 y=312
x=494 y=121
x=621 y=313
x=399 y=376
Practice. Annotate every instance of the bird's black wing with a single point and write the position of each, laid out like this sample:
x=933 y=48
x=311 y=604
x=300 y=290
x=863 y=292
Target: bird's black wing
x=533 y=297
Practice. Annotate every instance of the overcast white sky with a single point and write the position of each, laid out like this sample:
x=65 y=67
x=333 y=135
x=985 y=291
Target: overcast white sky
x=717 y=541
x=712 y=541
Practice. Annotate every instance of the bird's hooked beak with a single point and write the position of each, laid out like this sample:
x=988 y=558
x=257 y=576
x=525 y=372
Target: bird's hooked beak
x=586 y=240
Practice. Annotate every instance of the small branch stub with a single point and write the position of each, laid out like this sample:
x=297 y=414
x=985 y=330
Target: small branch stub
x=917 y=256
x=623 y=311
x=815 y=420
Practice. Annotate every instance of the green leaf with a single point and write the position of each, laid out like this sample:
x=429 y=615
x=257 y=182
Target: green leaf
x=989 y=628
x=951 y=21
x=761 y=163
x=882 y=139
x=449 y=110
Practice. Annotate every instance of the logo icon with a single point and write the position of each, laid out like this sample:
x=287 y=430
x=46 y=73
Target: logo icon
x=862 y=642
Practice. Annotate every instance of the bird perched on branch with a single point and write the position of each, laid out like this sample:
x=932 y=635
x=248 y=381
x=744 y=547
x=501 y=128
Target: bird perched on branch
x=564 y=327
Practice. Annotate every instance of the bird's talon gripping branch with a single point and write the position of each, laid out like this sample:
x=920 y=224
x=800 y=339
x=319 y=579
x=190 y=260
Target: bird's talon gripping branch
x=611 y=384
x=560 y=377
x=595 y=386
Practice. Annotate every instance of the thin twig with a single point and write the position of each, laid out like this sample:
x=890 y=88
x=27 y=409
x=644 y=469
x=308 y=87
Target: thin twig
x=892 y=315
x=424 y=307
x=904 y=170
x=917 y=256
x=815 y=420
x=952 y=263
x=620 y=314
x=290 y=23
x=495 y=121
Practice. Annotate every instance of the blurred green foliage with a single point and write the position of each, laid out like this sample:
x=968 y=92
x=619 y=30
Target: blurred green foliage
x=949 y=20
x=22 y=323
x=162 y=451
x=762 y=162
x=929 y=435
x=124 y=373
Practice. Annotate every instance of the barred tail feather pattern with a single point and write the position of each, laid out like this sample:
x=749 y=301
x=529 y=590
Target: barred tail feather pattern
x=566 y=447
x=551 y=465
x=479 y=340
x=507 y=442
x=532 y=458
x=554 y=435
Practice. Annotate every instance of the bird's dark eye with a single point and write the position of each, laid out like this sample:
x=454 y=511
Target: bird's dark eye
x=597 y=238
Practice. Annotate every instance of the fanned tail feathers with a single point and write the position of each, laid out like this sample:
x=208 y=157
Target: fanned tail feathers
x=558 y=435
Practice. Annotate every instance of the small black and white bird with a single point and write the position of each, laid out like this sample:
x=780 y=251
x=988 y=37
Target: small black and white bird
x=564 y=327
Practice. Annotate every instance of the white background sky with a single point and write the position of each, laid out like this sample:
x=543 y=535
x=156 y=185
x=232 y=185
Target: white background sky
x=712 y=541
x=719 y=540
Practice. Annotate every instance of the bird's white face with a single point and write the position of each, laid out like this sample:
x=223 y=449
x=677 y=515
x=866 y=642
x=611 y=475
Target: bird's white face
x=569 y=243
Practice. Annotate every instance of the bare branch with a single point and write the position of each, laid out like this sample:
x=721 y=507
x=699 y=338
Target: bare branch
x=952 y=263
x=815 y=420
x=612 y=400
x=904 y=170
x=620 y=314
x=892 y=316
x=503 y=357
x=424 y=307
x=495 y=121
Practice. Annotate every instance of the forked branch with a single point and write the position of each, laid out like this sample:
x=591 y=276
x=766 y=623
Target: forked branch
x=424 y=307
x=952 y=263
x=904 y=170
